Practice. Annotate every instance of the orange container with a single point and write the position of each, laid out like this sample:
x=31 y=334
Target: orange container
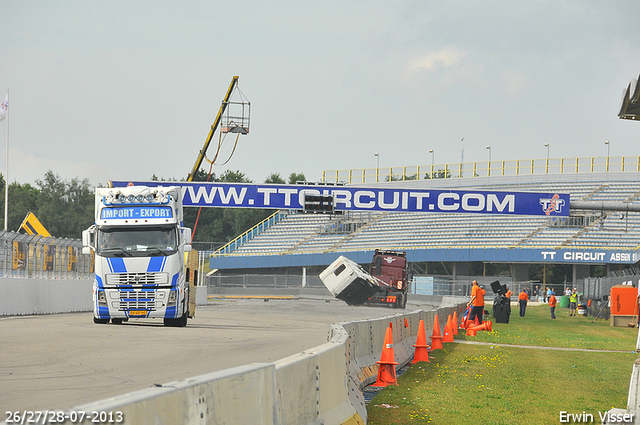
x=624 y=300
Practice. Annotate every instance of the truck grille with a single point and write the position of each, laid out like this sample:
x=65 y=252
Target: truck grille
x=134 y=300
x=137 y=279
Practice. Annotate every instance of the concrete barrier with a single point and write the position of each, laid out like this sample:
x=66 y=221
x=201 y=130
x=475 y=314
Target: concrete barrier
x=318 y=386
x=26 y=296
x=240 y=395
x=20 y=296
x=321 y=385
x=630 y=415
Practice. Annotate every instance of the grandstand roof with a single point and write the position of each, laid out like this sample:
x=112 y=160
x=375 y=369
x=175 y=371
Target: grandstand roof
x=630 y=107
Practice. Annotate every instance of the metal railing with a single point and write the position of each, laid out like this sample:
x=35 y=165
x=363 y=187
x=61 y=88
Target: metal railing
x=597 y=289
x=485 y=169
x=35 y=256
x=264 y=281
x=249 y=234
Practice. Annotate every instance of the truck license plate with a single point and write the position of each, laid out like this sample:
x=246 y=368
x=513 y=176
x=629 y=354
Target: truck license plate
x=138 y=313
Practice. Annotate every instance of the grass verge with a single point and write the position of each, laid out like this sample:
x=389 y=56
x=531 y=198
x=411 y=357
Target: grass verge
x=497 y=384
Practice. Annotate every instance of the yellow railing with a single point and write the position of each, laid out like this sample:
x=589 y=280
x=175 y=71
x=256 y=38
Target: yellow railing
x=411 y=247
x=485 y=169
x=249 y=234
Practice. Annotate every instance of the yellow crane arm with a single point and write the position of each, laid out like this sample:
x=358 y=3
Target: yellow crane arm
x=32 y=226
x=215 y=124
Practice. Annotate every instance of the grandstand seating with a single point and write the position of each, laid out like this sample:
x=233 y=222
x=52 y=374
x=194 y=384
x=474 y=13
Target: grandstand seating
x=306 y=233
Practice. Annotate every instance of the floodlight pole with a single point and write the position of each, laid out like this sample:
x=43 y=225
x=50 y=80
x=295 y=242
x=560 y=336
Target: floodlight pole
x=489 y=164
x=432 y=155
x=6 y=177
x=546 y=145
x=377 y=155
x=461 y=156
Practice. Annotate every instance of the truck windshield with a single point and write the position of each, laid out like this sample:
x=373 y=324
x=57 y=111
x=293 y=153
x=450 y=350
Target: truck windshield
x=137 y=242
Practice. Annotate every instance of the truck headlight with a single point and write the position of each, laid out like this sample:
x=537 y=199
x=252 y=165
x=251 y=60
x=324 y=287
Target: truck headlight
x=102 y=299
x=173 y=296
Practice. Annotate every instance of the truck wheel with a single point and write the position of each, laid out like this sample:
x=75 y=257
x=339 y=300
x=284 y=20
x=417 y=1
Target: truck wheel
x=116 y=321
x=180 y=322
x=100 y=321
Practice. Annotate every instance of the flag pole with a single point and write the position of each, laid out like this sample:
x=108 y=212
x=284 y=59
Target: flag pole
x=6 y=176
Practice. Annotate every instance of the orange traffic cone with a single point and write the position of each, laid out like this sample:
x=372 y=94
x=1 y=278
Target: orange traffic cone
x=485 y=326
x=455 y=323
x=387 y=369
x=471 y=331
x=422 y=349
x=448 y=334
x=468 y=323
x=436 y=337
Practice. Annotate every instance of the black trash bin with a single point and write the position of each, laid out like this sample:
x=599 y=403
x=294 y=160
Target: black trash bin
x=501 y=310
x=501 y=304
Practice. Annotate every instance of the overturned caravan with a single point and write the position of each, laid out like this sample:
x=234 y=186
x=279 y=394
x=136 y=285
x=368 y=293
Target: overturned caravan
x=385 y=285
x=347 y=281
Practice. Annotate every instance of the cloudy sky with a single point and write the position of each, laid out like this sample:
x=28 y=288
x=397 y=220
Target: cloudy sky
x=123 y=90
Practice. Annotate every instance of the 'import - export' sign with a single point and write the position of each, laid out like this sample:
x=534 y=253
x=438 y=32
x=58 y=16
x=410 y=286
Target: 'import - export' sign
x=131 y=212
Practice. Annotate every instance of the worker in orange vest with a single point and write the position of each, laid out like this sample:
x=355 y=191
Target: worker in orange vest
x=477 y=301
x=523 y=299
x=508 y=296
x=552 y=305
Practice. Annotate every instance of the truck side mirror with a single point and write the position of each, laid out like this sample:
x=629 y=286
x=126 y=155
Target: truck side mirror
x=186 y=238
x=87 y=240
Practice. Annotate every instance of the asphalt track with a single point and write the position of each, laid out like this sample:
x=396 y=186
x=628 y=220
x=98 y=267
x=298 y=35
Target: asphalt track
x=63 y=360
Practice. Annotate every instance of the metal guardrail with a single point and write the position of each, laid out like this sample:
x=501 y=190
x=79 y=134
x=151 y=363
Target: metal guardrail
x=264 y=281
x=485 y=169
x=441 y=285
x=35 y=256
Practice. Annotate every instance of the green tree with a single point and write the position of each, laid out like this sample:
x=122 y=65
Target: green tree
x=234 y=177
x=296 y=177
x=442 y=173
x=22 y=199
x=274 y=178
x=398 y=177
x=65 y=208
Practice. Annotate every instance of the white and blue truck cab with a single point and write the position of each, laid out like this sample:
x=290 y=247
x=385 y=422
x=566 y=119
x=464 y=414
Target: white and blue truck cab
x=139 y=244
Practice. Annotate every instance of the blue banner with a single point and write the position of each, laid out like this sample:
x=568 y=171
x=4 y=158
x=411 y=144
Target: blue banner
x=271 y=196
